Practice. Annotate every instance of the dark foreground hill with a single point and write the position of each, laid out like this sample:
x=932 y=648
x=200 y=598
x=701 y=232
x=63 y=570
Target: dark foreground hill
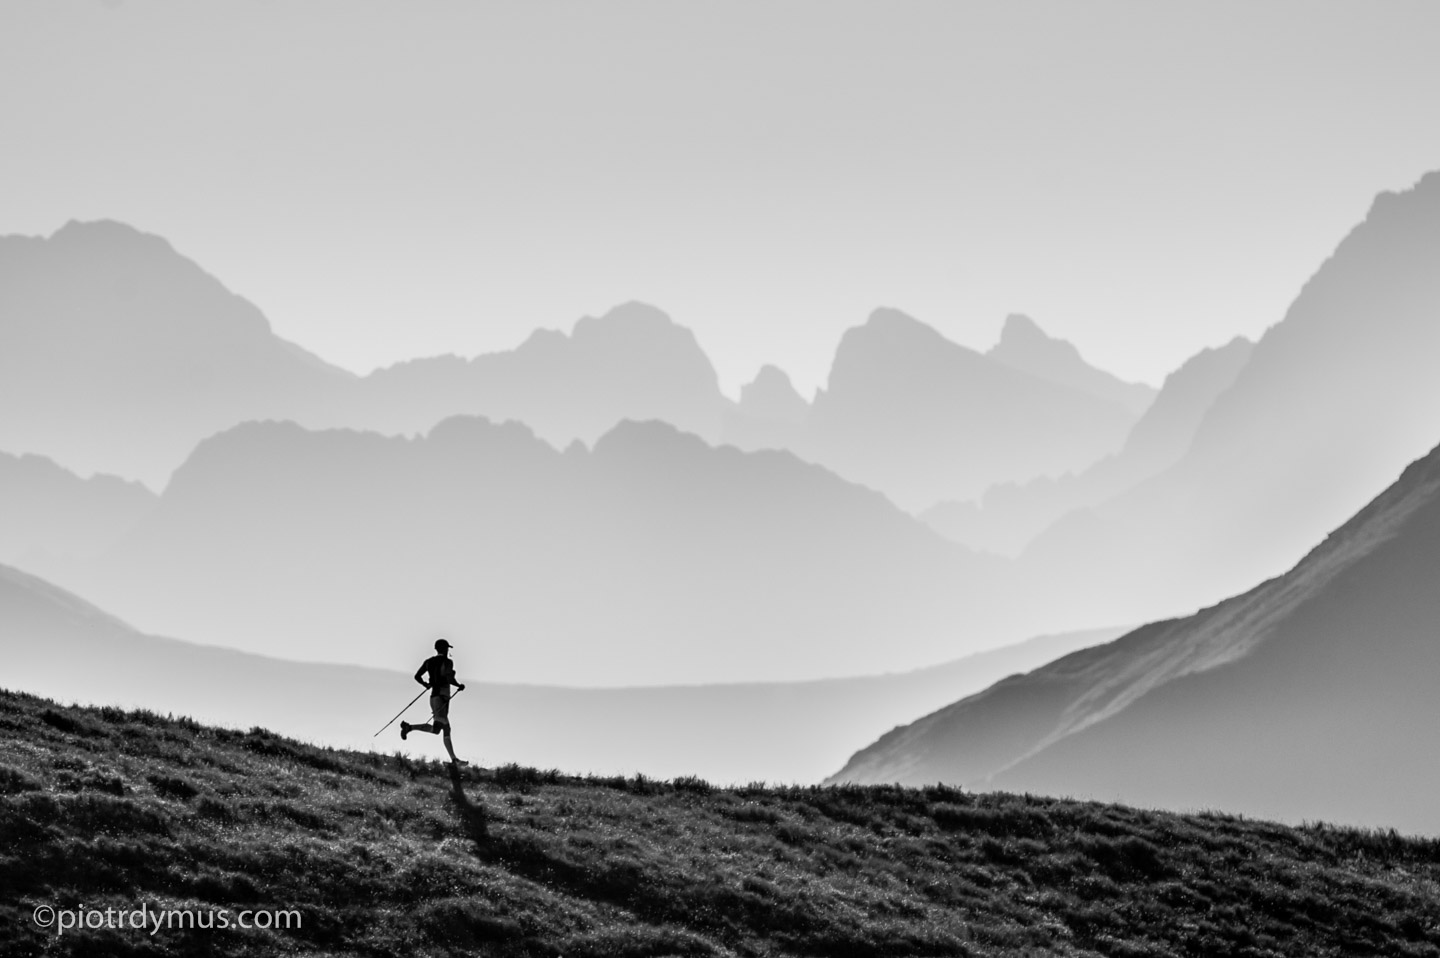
x=373 y=855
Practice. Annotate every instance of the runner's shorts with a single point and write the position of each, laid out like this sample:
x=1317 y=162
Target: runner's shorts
x=440 y=711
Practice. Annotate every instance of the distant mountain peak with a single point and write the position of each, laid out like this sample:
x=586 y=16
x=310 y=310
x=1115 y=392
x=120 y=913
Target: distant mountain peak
x=1022 y=332
x=134 y=263
x=633 y=317
x=923 y=418
x=1428 y=186
x=629 y=322
x=1025 y=346
x=107 y=232
x=542 y=338
x=769 y=415
x=887 y=319
x=892 y=329
x=771 y=377
x=771 y=395
x=118 y=353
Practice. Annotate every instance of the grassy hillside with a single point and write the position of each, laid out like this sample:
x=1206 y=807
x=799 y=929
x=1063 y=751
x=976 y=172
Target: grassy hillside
x=386 y=855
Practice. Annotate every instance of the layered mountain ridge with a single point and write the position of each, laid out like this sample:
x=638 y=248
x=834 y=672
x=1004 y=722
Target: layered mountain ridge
x=51 y=512
x=925 y=419
x=117 y=354
x=1309 y=696
x=1025 y=346
x=1332 y=404
x=652 y=557
x=632 y=363
x=1008 y=516
x=120 y=356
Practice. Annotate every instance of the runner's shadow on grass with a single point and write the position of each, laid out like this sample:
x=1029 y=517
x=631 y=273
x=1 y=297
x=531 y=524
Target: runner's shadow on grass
x=472 y=817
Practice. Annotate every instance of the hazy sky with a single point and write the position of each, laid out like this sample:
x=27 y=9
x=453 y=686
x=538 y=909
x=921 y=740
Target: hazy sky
x=388 y=180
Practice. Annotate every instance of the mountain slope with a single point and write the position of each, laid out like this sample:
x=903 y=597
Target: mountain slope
x=1164 y=434
x=1025 y=346
x=632 y=363
x=770 y=414
x=923 y=419
x=368 y=854
x=1333 y=403
x=118 y=355
x=52 y=511
x=56 y=644
x=1312 y=695
x=1010 y=515
x=652 y=558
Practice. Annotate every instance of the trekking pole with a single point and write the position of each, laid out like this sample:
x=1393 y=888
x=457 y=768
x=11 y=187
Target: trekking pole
x=404 y=710
x=400 y=713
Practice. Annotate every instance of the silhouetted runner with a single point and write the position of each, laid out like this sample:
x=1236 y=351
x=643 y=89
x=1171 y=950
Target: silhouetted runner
x=437 y=674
